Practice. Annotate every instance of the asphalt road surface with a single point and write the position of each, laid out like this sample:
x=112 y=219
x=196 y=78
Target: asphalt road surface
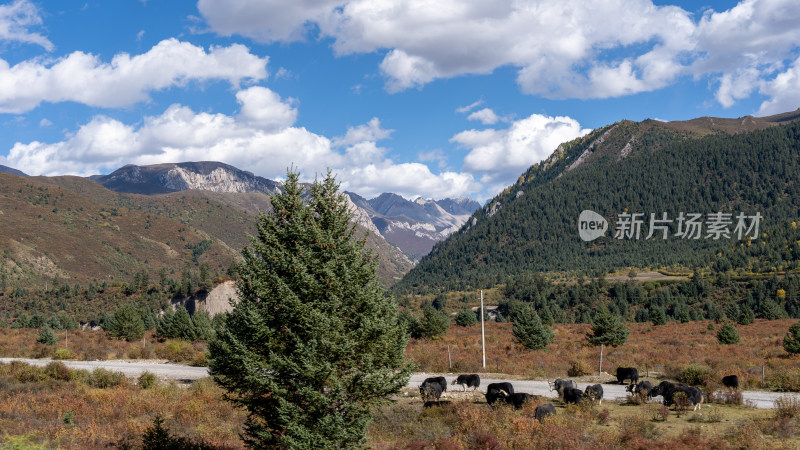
x=760 y=399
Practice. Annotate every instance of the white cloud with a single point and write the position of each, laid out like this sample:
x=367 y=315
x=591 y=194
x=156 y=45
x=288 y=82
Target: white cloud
x=261 y=138
x=45 y=123
x=486 y=116
x=567 y=49
x=126 y=80
x=783 y=90
x=369 y=132
x=470 y=107
x=15 y=20
x=499 y=156
x=265 y=20
x=264 y=109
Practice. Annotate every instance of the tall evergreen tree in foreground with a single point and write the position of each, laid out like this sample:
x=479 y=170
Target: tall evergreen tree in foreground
x=313 y=341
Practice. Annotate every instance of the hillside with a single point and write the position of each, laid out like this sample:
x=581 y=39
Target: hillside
x=53 y=232
x=703 y=166
x=228 y=217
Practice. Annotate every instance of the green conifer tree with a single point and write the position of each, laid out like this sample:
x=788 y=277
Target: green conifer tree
x=658 y=316
x=746 y=316
x=125 y=323
x=313 y=342
x=791 y=342
x=528 y=329
x=727 y=334
x=46 y=336
x=434 y=324
x=466 y=318
x=607 y=329
x=181 y=326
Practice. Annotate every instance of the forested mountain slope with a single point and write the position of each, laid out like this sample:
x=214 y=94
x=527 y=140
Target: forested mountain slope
x=703 y=166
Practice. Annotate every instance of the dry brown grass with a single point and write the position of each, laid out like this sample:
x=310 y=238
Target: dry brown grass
x=665 y=349
x=72 y=412
x=96 y=345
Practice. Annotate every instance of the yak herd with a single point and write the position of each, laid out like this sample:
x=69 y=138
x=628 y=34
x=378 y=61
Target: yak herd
x=432 y=388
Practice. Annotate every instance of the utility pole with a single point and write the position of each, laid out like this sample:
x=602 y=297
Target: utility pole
x=483 y=334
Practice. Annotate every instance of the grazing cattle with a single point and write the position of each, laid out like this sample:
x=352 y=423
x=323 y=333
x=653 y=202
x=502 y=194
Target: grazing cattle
x=627 y=373
x=439 y=380
x=668 y=391
x=430 y=391
x=642 y=388
x=473 y=381
x=493 y=391
x=731 y=381
x=571 y=395
x=594 y=392
x=517 y=399
x=543 y=411
x=560 y=384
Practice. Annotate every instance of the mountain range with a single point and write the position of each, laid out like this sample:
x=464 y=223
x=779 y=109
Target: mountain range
x=88 y=229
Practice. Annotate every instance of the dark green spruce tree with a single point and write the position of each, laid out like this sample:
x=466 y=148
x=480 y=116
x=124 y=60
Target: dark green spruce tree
x=528 y=329
x=314 y=342
x=727 y=334
x=791 y=342
x=607 y=329
x=125 y=323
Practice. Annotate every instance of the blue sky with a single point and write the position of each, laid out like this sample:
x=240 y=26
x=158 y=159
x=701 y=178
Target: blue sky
x=423 y=98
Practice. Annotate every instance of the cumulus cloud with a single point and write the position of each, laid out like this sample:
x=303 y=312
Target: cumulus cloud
x=369 y=132
x=16 y=19
x=126 y=80
x=498 y=156
x=262 y=137
x=485 y=116
x=568 y=49
x=783 y=90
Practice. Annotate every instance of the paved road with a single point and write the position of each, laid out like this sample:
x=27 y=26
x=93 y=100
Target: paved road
x=129 y=368
x=761 y=399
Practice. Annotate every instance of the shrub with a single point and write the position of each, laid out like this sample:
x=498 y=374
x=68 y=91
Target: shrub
x=176 y=350
x=787 y=406
x=63 y=353
x=58 y=371
x=102 y=378
x=712 y=415
x=147 y=380
x=694 y=374
x=726 y=397
x=579 y=368
x=603 y=417
x=783 y=380
x=657 y=412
